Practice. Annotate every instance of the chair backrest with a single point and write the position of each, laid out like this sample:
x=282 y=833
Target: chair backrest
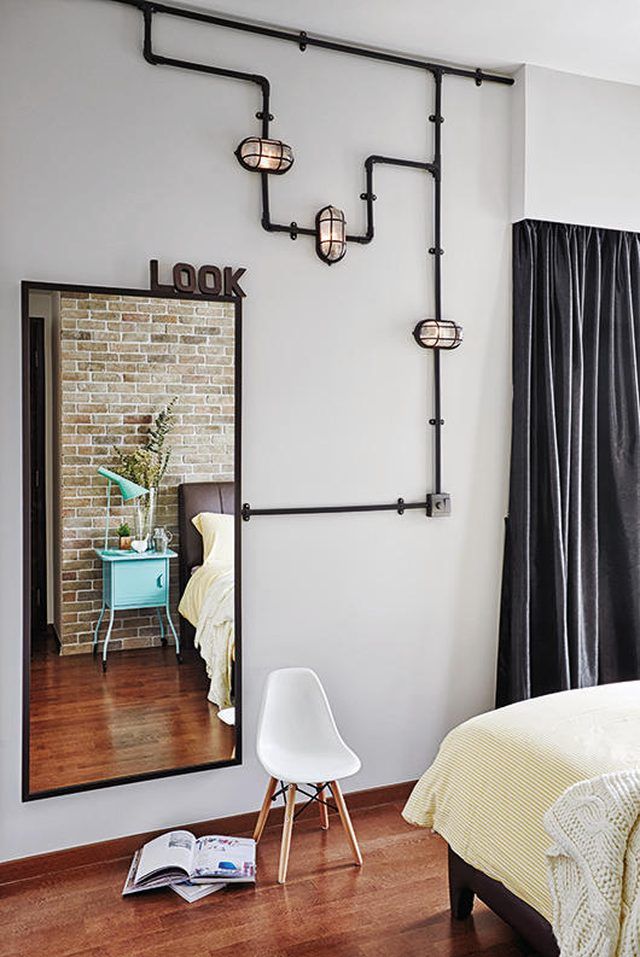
x=295 y=715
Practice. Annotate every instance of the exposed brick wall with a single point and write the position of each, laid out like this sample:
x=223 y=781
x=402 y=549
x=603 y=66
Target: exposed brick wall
x=121 y=360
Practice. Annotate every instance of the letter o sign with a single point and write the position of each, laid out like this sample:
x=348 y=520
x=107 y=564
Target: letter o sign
x=184 y=277
x=210 y=280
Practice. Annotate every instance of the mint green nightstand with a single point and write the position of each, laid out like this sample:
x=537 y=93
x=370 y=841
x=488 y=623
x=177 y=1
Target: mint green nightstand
x=130 y=580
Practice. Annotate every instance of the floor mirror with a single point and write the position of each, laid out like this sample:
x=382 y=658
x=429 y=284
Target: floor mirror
x=132 y=439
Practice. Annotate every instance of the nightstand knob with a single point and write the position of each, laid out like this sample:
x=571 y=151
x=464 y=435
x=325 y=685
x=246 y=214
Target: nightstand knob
x=160 y=580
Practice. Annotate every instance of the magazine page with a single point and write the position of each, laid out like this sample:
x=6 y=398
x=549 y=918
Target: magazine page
x=169 y=852
x=194 y=892
x=224 y=858
x=152 y=883
x=129 y=886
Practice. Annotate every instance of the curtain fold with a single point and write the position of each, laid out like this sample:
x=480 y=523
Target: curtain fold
x=570 y=610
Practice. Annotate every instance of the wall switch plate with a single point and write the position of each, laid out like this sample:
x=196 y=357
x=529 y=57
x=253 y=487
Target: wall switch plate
x=438 y=504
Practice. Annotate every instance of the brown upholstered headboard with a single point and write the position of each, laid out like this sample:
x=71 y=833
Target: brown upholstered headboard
x=193 y=498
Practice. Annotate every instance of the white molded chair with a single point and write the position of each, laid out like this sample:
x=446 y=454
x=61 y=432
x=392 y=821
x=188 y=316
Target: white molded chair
x=299 y=743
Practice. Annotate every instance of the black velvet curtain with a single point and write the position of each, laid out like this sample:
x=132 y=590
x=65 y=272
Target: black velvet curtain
x=570 y=613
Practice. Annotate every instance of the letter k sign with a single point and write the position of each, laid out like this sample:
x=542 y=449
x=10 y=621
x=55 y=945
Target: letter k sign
x=232 y=285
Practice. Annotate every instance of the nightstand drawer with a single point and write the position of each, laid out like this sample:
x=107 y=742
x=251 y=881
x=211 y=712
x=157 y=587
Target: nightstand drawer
x=140 y=583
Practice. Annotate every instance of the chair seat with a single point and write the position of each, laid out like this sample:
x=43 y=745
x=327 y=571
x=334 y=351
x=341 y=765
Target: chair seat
x=302 y=767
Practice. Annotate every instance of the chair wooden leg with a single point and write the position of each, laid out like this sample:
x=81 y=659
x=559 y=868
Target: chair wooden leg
x=287 y=828
x=346 y=822
x=264 y=810
x=324 y=810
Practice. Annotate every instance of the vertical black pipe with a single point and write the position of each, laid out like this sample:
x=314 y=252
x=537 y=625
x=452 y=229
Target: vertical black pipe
x=266 y=212
x=147 y=14
x=437 y=242
x=368 y=166
x=265 y=118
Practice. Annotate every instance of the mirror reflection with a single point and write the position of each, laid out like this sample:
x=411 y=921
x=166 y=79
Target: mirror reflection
x=131 y=417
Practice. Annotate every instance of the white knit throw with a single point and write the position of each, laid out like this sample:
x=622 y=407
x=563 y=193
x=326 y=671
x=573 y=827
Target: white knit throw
x=594 y=866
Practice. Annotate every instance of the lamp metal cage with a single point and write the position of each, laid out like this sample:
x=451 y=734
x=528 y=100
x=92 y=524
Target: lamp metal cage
x=331 y=234
x=438 y=334
x=261 y=155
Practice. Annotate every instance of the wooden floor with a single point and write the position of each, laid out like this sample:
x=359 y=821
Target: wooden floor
x=394 y=906
x=145 y=714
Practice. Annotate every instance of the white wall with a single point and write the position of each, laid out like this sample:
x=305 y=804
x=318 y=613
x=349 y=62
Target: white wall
x=105 y=162
x=576 y=149
x=519 y=146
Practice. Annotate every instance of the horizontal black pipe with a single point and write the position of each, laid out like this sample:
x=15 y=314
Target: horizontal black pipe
x=392 y=161
x=159 y=60
x=281 y=228
x=368 y=197
x=302 y=38
x=399 y=506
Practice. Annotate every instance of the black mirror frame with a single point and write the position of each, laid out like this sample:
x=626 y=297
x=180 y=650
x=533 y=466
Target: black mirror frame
x=27 y=287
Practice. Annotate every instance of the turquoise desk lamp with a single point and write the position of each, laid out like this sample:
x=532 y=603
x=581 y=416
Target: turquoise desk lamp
x=128 y=489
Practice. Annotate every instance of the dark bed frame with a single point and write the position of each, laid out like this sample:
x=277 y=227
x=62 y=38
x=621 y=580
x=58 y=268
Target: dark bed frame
x=467 y=882
x=193 y=498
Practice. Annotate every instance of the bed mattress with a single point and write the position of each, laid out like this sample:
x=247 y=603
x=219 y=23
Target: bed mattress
x=496 y=775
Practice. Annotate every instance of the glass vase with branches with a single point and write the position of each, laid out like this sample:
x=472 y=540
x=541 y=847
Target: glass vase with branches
x=147 y=465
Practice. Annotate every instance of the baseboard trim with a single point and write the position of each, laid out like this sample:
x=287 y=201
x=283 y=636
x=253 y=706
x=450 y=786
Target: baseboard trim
x=26 y=868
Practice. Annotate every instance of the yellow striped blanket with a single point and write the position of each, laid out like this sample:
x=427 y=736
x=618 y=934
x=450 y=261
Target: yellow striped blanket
x=496 y=775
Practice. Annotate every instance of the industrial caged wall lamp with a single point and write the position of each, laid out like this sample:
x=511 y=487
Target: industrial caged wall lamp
x=265 y=156
x=262 y=154
x=438 y=334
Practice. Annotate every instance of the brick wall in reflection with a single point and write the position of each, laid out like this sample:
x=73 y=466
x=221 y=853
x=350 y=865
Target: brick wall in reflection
x=120 y=361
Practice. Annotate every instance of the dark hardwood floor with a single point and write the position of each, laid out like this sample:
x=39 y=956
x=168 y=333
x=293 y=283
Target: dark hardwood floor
x=145 y=714
x=394 y=906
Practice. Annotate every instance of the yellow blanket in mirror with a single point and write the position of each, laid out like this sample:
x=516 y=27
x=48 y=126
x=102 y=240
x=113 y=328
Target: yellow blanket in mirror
x=496 y=776
x=208 y=602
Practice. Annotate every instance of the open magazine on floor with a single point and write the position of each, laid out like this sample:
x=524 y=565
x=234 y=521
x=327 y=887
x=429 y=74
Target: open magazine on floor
x=179 y=856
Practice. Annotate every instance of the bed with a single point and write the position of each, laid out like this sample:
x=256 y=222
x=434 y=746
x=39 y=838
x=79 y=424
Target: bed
x=207 y=588
x=498 y=778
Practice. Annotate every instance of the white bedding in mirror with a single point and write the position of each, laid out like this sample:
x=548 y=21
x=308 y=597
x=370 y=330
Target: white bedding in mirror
x=208 y=603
